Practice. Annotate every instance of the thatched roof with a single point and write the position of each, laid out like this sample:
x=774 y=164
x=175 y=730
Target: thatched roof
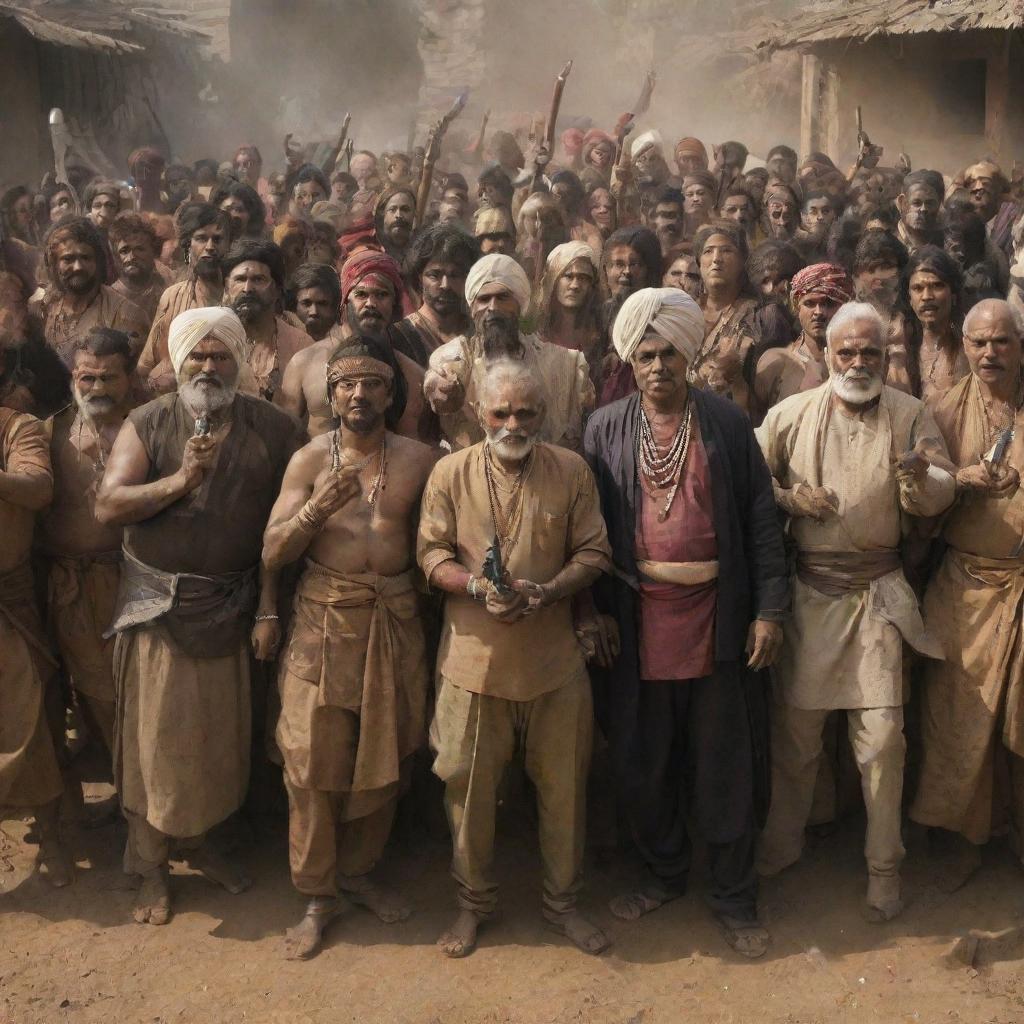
x=863 y=19
x=106 y=26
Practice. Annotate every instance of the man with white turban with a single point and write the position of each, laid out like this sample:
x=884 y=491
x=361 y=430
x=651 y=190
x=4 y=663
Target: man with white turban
x=698 y=592
x=192 y=477
x=570 y=313
x=498 y=294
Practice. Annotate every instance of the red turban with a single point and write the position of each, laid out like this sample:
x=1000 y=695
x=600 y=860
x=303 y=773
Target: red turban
x=692 y=147
x=360 y=233
x=371 y=262
x=827 y=279
x=572 y=140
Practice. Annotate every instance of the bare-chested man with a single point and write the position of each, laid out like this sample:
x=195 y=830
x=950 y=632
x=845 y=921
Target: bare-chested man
x=29 y=777
x=135 y=246
x=192 y=478
x=84 y=555
x=353 y=686
x=371 y=300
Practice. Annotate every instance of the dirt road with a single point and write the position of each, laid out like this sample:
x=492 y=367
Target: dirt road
x=76 y=956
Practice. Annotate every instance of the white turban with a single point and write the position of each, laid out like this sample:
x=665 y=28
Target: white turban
x=192 y=326
x=648 y=138
x=669 y=312
x=494 y=268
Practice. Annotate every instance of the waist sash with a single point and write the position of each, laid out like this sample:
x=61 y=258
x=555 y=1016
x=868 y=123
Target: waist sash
x=836 y=573
x=685 y=574
x=205 y=616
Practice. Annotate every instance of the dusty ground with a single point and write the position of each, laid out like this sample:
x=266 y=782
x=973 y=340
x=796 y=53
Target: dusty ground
x=76 y=956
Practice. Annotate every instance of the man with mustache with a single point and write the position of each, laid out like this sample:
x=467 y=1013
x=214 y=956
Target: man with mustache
x=371 y=296
x=816 y=293
x=697 y=594
x=203 y=238
x=394 y=215
x=354 y=685
x=192 y=477
x=971 y=701
x=851 y=460
x=317 y=298
x=76 y=299
x=510 y=671
x=85 y=555
x=140 y=278
x=254 y=276
x=919 y=205
x=30 y=779
x=498 y=292
x=437 y=262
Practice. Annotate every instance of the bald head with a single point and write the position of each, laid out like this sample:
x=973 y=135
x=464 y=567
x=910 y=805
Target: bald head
x=992 y=344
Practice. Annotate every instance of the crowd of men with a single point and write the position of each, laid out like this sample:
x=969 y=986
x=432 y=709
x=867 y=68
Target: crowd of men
x=337 y=466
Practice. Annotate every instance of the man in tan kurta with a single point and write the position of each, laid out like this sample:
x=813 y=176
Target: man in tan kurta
x=972 y=700
x=76 y=299
x=191 y=478
x=498 y=293
x=849 y=459
x=85 y=556
x=29 y=776
x=353 y=680
x=510 y=673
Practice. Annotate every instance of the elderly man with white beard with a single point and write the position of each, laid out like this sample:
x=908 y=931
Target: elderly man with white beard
x=192 y=477
x=850 y=460
x=510 y=671
x=498 y=294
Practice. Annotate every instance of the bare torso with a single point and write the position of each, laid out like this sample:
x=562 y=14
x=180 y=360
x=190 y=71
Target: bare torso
x=378 y=539
x=70 y=527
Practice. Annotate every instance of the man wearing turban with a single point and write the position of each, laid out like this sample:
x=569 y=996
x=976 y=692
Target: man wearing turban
x=816 y=293
x=570 y=314
x=498 y=294
x=698 y=593
x=192 y=477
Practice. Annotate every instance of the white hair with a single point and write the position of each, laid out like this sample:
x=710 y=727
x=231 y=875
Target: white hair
x=991 y=305
x=851 y=311
x=502 y=371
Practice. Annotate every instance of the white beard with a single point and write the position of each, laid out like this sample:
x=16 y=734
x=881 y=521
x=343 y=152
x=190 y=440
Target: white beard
x=856 y=390
x=202 y=401
x=516 y=450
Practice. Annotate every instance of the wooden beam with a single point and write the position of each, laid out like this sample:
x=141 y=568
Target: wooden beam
x=810 y=105
x=997 y=98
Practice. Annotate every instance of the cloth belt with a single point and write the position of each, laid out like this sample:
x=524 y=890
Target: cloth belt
x=836 y=573
x=205 y=616
x=685 y=574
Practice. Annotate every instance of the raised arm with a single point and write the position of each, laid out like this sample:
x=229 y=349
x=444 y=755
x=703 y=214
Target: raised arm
x=302 y=509
x=125 y=497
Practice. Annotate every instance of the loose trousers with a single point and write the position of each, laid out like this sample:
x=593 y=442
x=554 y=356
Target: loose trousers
x=474 y=738
x=879 y=748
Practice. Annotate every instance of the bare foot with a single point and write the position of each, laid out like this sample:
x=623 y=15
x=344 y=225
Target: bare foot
x=389 y=905
x=883 y=899
x=631 y=906
x=577 y=929
x=748 y=938
x=215 y=868
x=153 y=905
x=460 y=939
x=304 y=940
x=54 y=863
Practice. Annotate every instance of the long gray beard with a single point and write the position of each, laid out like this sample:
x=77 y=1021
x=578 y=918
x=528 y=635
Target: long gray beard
x=90 y=408
x=855 y=391
x=204 y=401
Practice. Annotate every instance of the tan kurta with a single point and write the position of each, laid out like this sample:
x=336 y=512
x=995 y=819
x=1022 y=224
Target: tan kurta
x=109 y=309
x=845 y=651
x=147 y=298
x=564 y=374
x=974 y=605
x=28 y=767
x=561 y=523
x=353 y=685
